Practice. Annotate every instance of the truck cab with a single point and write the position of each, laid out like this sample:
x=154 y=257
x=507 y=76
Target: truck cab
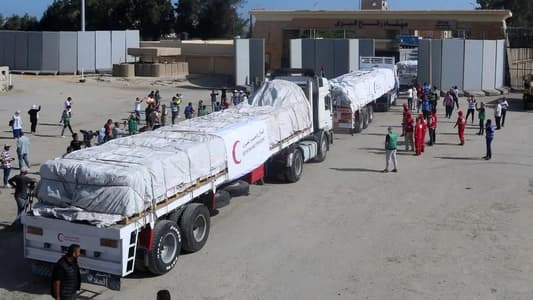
x=317 y=90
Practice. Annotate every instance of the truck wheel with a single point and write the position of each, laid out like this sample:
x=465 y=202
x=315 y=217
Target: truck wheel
x=294 y=173
x=238 y=188
x=194 y=224
x=322 y=148
x=370 y=113
x=166 y=247
x=365 y=118
x=358 y=126
x=222 y=199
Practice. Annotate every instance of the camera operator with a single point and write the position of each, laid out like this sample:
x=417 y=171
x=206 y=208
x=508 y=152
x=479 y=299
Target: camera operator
x=23 y=188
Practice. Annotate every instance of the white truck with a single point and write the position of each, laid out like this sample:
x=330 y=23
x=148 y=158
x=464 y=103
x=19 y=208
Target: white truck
x=356 y=95
x=137 y=202
x=407 y=72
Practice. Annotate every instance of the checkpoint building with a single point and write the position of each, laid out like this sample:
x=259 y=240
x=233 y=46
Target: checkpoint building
x=373 y=21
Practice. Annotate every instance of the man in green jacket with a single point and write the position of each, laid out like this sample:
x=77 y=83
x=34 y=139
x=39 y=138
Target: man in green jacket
x=391 y=142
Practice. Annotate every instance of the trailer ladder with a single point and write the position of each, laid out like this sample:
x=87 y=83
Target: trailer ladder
x=132 y=251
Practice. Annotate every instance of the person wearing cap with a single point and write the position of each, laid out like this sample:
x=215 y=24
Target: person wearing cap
x=5 y=160
x=391 y=142
x=34 y=116
x=22 y=184
x=16 y=124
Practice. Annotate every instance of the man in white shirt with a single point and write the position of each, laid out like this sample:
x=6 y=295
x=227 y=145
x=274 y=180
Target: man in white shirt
x=504 y=104
x=16 y=124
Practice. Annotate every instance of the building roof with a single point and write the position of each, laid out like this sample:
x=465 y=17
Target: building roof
x=478 y=15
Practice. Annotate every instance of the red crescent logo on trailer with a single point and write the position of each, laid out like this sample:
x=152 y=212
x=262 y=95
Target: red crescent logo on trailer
x=234 y=153
x=60 y=237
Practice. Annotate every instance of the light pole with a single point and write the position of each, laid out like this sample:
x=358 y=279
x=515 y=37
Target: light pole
x=82 y=15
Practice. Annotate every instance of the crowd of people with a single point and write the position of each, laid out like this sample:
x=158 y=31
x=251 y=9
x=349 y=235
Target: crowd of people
x=415 y=129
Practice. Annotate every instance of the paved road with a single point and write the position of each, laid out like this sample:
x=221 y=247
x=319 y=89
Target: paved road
x=449 y=225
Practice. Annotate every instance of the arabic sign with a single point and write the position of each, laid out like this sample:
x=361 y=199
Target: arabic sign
x=247 y=148
x=375 y=23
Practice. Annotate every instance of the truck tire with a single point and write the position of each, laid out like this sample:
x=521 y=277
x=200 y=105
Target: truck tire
x=322 y=148
x=194 y=224
x=358 y=126
x=222 y=199
x=238 y=188
x=294 y=172
x=166 y=247
x=370 y=108
x=365 y=118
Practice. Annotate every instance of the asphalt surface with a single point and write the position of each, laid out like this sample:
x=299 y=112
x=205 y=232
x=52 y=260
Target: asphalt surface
x=448 y=225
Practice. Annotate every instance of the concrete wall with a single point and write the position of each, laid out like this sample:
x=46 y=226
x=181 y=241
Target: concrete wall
x=50 y=51
x=334 y=56
x=452 y=63
x=65 y=52
x=472 y=65
x=86 y=51
x=242 y=62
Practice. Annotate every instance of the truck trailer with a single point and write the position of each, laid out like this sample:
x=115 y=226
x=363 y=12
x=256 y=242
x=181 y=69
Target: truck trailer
x=135 y=203
x=356 y=95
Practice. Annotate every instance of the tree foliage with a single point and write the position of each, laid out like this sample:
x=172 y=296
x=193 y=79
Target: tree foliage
x=522 y=10
x=154 y=18
x=209 y=19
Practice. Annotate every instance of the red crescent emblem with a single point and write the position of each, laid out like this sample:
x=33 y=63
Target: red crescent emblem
x=234 y=154
x=60 y=237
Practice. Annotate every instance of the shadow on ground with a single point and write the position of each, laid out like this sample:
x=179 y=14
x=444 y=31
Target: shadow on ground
x=356 y=170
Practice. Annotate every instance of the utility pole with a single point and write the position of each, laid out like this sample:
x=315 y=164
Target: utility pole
x=82 y=15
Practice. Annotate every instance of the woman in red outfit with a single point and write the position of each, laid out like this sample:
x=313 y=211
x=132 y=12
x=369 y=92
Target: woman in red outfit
x=461 y=125
x=420 y=134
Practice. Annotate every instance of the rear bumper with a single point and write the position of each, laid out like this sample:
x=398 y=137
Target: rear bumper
x=110 y=281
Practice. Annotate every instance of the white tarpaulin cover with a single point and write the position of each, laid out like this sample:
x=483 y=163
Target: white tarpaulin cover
x=357 y=89
x=126 y=175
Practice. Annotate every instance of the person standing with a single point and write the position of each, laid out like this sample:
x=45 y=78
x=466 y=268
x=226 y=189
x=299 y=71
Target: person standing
x=5 y=160
x=200 y=105
x=174 y=109
x=157 y=98
x=235 y=97
x=108 y=133
x=217 y=106
x=213 y=95
x=471 y=108
x=420 y=134
x=410 y=92
x=391 y=140
x=188 y=111
x=426 y=108
x=409 y=131
x=132 y=124
x=137 y=107
x=448 y=105
x=66 y=123
x=16 y=124
x=488 y=138
x=404 y=117
x=498 y=115
x=34 y=117
x=504 y=104
x=164 y=115
x=21 y=183
x=433 y=127
x=461 y=124
x=481 y=117
x=23 y=148
x=202 y=111
x=455 y=95
x=66 y=276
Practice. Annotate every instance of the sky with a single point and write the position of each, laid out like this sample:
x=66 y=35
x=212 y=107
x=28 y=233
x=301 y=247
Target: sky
x=37 y=7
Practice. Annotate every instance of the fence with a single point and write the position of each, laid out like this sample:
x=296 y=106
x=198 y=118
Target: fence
x=520 y=64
